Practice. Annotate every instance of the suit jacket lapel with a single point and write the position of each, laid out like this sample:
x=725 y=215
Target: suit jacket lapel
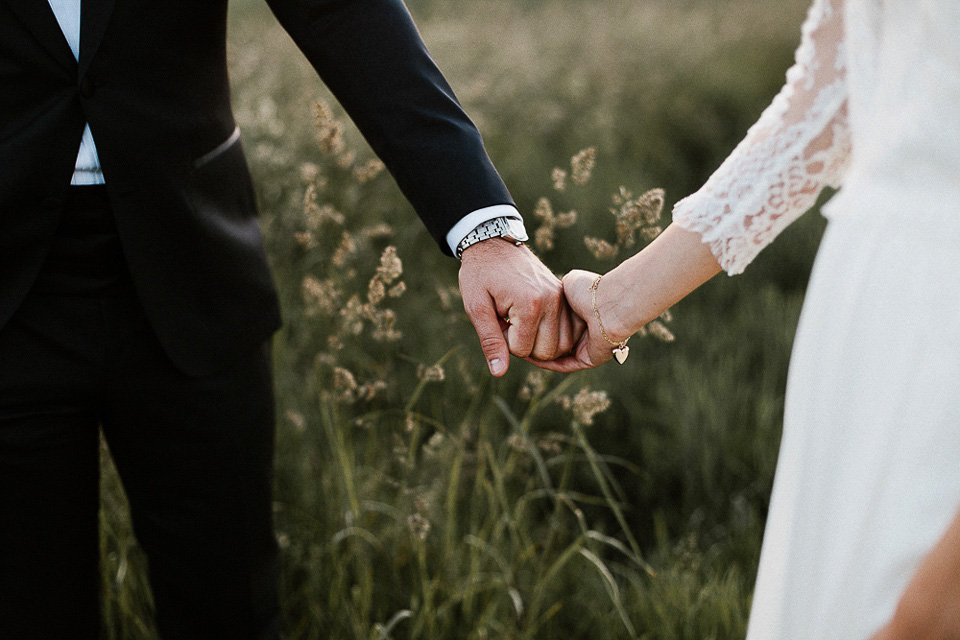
x=39 y=19
x=94 y=17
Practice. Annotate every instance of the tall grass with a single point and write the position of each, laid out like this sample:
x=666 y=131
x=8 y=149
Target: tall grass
x=416 y=497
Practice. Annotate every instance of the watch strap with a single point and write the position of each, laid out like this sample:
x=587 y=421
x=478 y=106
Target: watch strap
x=493 y=228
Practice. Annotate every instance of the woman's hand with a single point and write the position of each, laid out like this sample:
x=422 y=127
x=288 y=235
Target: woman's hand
x=592 y=349
x=930 y=607
x=633 y=294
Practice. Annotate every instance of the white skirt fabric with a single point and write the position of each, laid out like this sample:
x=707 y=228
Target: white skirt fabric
x=868 y=477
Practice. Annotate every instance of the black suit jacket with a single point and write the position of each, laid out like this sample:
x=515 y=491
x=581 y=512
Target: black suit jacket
x=152 y=83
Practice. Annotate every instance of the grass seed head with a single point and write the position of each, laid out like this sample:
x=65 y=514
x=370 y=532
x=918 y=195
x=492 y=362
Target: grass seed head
x=329 y=130
x=543 y=210
x=345 y=250
x=588 y=404
x=320 y=296
x=306 y=239
x=660 y=331
x=371 y=390
x=376 y=291
x=385 y=326
x=345 y=384
x=559 y=178
x=449 y=297
x=582 y=166
x=419 y=526
x=368 y=171
x=433 y=373
x=352 y=316
x=543 y=238
x=309 y=172
x=600 y=248
x=535 y=384
x=566 y=219
x=296 y=419
x=391 y=267
x=379 y=230
x=650 y=233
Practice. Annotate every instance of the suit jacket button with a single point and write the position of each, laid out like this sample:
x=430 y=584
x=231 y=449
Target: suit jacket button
x=87 y=88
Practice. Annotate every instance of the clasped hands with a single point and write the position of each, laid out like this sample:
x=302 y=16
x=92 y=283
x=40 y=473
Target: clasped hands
x=518 y=307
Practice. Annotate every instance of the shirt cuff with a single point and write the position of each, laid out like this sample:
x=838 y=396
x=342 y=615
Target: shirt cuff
x=470 y=222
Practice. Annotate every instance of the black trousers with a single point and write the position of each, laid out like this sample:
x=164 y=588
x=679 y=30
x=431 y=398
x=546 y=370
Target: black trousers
x=195 y=456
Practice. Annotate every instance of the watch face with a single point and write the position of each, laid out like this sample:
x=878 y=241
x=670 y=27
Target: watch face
x=516 y=230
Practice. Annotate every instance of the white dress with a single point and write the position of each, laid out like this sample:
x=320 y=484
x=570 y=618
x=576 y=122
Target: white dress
x=868 y=477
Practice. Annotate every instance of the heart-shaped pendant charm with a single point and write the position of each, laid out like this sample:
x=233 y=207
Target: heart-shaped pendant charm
x=621 y=353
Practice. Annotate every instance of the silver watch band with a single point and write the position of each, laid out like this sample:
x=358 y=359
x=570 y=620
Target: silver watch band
x=502 y=227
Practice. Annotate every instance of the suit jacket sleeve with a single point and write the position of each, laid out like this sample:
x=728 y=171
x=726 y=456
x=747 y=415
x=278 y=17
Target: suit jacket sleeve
x=371 y=56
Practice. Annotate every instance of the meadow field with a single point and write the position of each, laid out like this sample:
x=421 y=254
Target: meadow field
x=416 y=497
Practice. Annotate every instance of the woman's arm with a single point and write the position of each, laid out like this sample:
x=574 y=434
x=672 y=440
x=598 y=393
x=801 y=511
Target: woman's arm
x=930 y=607
x=800 y=145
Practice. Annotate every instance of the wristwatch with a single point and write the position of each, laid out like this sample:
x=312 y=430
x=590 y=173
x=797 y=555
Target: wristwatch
x=510 y=229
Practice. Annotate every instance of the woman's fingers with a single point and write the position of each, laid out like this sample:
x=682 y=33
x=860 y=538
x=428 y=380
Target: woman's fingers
x=565 y=364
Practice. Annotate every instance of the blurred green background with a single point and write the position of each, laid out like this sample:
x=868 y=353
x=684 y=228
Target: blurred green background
x=416 y=497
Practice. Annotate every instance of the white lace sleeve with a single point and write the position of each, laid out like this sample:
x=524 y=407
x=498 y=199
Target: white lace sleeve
x=800 y=145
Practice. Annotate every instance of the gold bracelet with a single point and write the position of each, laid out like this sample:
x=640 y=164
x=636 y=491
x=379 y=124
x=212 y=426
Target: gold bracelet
x=622 y=350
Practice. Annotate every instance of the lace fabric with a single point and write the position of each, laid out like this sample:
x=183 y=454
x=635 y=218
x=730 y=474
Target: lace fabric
x=800 y=145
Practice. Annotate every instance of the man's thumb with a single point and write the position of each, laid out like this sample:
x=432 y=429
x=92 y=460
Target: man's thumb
x=494 y=345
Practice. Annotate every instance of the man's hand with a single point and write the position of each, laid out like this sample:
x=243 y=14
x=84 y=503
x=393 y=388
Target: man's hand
x=516 y=304
x=592 y=349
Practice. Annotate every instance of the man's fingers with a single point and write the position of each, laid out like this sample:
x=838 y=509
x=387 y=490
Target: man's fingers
x=548 y=335
x=572 y=328
x=567 y=336
x=485 y=320
x=522 y=334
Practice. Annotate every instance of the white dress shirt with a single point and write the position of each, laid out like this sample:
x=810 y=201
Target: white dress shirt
x=88 y=162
